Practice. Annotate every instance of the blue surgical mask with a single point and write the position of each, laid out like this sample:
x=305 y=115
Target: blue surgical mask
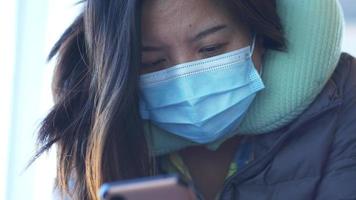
x=204 y=100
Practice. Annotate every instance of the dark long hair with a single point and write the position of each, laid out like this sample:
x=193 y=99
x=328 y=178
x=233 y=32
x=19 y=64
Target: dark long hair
x=95 y=122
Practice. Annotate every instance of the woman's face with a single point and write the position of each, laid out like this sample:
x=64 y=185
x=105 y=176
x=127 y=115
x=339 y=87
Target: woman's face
x=175 y=32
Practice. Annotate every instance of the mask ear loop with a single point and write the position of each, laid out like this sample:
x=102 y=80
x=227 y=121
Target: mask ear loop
x=261 y=70
x=252 y=49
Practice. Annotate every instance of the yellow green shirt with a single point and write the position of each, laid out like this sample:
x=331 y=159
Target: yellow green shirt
x=173 y=163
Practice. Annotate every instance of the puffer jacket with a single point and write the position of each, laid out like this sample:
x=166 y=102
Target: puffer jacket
x=312 y=158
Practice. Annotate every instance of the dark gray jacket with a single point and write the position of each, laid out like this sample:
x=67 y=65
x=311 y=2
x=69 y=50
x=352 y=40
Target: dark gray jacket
x=314 y=157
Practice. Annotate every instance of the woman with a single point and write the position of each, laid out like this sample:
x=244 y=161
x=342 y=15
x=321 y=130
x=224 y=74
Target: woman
x=218 y=91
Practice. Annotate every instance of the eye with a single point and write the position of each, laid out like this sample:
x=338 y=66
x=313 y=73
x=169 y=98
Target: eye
x=154 y=65
x=212 y=50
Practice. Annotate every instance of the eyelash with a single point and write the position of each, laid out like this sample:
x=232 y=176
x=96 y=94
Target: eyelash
x=208 y=50
x=151 y=64
x=211 y=48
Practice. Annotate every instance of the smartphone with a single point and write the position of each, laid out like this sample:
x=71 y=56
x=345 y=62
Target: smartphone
x=163 y=187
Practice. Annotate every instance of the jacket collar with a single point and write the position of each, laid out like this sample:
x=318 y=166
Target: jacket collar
x=328 y=99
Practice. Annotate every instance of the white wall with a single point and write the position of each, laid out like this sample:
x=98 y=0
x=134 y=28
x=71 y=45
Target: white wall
x=31 y=28
x=349 y=42
x=7 y=58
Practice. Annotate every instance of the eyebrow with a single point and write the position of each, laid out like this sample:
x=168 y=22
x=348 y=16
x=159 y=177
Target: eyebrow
x=199 y=36
x=209 y=31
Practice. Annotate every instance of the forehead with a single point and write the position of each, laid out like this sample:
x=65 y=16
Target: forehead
x=165 y=18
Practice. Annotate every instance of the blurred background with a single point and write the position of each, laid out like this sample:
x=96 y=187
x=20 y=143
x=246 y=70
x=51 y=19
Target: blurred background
x=349 y=43
x=28 y=30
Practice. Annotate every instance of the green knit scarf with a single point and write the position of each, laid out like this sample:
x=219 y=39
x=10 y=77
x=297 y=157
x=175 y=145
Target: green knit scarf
x=293 y=79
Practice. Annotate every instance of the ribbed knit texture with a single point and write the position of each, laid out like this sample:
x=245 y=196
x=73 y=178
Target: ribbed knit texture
x=293 y=79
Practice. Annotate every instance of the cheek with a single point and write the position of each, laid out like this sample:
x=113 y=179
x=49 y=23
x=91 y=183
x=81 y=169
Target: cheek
x=239 y=41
